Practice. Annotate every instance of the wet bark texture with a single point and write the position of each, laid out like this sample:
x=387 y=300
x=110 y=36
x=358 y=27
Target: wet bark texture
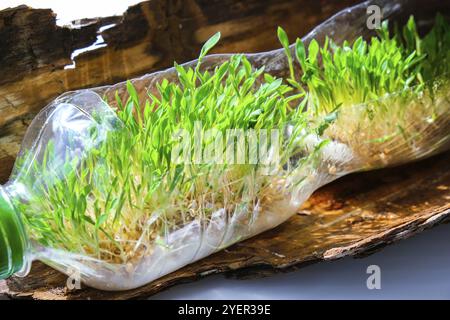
x=355 y=215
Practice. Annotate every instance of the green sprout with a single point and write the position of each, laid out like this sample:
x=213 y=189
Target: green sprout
x=383 y=89
x=351 y=74
x=129 y=192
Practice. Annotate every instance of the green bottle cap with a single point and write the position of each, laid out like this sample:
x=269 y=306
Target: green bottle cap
x=12 y=238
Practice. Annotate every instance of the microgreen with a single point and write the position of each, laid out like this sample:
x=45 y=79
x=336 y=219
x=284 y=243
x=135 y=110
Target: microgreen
x=284 y=40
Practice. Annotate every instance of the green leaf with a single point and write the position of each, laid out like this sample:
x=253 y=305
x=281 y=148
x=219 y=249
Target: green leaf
x=274 y=85
x=268 y=78
x=282 y=36
x=132 y=93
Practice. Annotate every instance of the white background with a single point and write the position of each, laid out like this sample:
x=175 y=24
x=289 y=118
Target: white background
x=417 y=268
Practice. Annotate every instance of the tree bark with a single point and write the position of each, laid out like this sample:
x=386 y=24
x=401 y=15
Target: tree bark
x=353 y=216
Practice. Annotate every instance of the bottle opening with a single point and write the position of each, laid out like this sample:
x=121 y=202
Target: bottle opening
x=12 y=238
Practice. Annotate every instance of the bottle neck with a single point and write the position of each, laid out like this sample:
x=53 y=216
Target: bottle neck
x=13 y=240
